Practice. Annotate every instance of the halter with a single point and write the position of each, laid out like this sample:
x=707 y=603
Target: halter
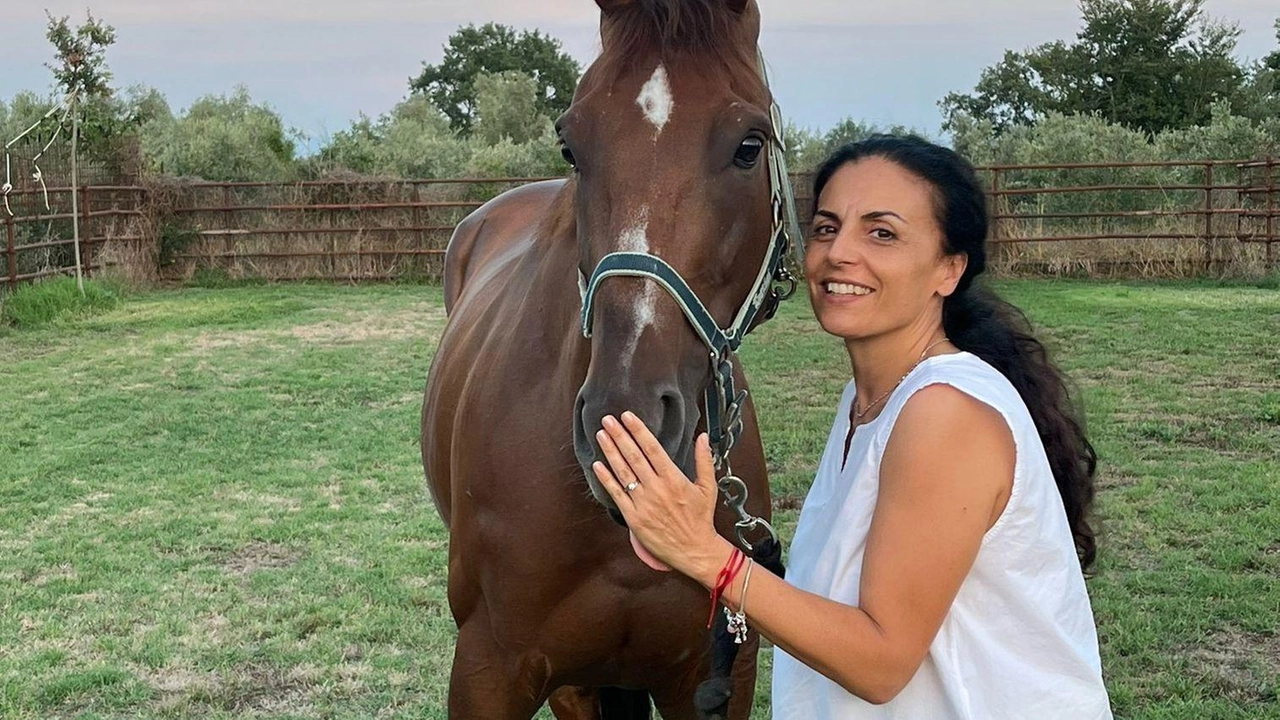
x=773 y=284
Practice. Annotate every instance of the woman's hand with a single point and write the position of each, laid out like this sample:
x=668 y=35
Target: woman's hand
x=669 y=516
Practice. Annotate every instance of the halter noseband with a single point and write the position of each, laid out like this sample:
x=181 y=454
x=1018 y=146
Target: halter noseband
x=773 y=284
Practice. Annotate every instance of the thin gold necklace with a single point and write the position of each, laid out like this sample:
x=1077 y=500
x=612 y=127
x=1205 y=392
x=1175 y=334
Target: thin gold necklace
x=857 y=416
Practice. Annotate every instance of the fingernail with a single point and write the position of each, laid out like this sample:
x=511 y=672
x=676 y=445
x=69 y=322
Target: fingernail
x=628 y=415
x=601 y=435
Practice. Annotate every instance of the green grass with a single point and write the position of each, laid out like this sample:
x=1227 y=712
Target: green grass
x=213 y=504
x=56 y=300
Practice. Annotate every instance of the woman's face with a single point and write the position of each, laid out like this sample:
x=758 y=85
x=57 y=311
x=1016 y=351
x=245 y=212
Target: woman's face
x=874 y=257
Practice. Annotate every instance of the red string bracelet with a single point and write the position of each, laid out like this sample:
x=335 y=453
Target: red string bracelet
x=724 y=579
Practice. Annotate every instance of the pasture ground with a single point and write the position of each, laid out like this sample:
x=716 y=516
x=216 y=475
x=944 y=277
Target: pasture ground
x=213 y=504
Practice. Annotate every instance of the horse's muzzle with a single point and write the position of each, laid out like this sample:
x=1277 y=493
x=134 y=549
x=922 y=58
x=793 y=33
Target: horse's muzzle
x=664 y=412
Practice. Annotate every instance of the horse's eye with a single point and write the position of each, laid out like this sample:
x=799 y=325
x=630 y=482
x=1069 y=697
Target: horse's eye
x=567 y=154
x=749 y=152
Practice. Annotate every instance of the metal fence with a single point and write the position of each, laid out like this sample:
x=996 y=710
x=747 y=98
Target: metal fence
x=1130 y=219
x=36 y=238
x=331 y=229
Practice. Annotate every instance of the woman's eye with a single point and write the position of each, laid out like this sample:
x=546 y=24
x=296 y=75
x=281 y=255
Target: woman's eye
x=749 y=153
x=884 y=234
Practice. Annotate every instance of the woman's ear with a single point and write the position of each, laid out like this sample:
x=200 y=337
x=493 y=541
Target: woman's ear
x=953 y=269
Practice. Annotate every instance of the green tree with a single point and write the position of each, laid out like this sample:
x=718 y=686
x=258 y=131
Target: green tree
x=493 y=48
x=1145 y=64
x=507 y=107
x=1259 y=98
x=222 y=138
x=806 y=149
x=414 y=140
x=1272 y=61
x=80 y=67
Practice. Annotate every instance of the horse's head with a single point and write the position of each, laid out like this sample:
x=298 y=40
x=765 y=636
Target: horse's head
x=669 y=135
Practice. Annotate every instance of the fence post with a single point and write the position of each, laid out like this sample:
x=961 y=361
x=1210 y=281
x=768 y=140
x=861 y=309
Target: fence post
x=228 y=248
x=1208 y=217
x=995 y=203
x=1271 y=211
x=88 y=232
x=12 y=253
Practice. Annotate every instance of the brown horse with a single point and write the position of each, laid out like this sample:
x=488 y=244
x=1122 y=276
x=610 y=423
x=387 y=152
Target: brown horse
x=667 y=135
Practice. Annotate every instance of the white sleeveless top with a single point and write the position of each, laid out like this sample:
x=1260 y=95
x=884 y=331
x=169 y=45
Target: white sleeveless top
x=1019 y=641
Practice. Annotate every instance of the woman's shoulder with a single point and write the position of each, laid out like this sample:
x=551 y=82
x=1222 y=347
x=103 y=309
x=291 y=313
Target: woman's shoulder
x=969 y=374
x=957 y=390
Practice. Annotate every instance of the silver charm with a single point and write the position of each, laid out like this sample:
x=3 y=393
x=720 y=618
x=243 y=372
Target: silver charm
x=737 y=625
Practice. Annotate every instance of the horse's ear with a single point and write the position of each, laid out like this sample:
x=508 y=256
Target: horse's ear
x=738 y=6
x=608 y=6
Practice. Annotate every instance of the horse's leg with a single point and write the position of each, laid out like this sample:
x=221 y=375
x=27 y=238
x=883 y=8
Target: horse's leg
x=489 y=683
x=745 y=674
x=608 y=703
x=575 y=703
x=678 y=701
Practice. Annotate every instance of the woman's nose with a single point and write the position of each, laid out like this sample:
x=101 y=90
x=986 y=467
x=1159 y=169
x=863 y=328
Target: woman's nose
x=844 y=249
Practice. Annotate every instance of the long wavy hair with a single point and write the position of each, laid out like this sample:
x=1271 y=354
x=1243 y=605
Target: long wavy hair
x=978 y=321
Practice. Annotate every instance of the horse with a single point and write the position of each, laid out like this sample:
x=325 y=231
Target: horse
x=627 y=285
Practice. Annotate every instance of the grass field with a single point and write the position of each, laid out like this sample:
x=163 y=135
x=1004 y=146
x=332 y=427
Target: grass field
x=213 y=504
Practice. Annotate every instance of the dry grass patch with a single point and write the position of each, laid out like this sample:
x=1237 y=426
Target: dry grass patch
x=260 y=555
x=1244 y=666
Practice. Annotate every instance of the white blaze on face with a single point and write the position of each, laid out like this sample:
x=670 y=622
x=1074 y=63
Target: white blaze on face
x=635 y=238
x=656 y=100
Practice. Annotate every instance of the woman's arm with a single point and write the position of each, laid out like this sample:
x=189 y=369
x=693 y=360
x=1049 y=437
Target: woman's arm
x=944 y=480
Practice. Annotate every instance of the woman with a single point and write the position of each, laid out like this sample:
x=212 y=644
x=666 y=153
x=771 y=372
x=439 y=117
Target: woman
x=937 y=568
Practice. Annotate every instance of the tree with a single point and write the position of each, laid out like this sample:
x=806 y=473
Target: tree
x=414 y=140
x=1150 y=65
x=807 y=149
x=493 y=48
x=1272 y=61
x=222 y=138
x=1261 y=94
x=81 y=65
x=507 y=107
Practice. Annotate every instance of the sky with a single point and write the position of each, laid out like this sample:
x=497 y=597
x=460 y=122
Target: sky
x=321 y=63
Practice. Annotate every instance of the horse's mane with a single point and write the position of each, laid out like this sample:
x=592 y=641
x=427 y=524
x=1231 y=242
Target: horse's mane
x=666 y=27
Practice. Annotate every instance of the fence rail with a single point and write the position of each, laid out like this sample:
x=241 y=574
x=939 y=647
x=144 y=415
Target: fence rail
x=1190 y=217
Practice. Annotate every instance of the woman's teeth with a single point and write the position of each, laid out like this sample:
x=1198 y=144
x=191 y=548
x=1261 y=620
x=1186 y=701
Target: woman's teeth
x=847 y=289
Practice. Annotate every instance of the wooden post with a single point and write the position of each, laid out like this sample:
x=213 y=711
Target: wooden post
x=86 y=208
x=1208 y=218
x=1271 y=211
x=995 y=203
x=12 y=253
x=417 y=219
x=228 y=245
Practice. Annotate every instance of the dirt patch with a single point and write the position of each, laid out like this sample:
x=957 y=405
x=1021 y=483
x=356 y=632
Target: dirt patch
x=261 y=555
x=1244 y=666
x=1112 y=479
x=242 y=689
x=421 y=321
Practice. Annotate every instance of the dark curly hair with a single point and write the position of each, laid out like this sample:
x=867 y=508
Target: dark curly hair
x=978 y=321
